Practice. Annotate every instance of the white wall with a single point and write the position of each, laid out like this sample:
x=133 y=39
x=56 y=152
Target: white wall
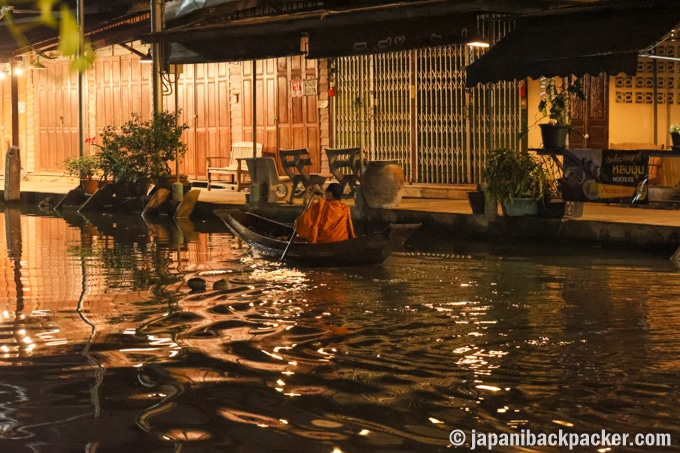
x=534 y=116
x=628 y=122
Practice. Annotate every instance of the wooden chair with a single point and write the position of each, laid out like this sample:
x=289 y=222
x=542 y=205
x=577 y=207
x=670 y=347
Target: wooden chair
x=294 y=163
x=234 y=167
x=345 y=165
x=263 y=172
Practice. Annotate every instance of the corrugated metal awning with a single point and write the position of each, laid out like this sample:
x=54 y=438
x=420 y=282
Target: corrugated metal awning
x=390 y=36
x=330 y=33
x=204 y=49
x=327 y=38
x=586 y=42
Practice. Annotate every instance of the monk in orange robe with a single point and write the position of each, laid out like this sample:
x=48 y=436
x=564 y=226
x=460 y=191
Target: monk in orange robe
x=326 y=220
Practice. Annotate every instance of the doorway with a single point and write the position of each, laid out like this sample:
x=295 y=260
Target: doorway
x=590 y=118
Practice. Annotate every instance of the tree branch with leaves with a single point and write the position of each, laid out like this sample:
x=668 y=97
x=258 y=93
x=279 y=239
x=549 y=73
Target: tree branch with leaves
x=55 y=14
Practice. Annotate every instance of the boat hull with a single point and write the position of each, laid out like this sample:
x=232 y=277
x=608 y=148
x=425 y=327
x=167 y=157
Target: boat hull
x=269 y=239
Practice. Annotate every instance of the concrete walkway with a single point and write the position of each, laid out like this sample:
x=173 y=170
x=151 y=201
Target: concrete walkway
x=639 y=227
x=56 y=185
x=591 y=211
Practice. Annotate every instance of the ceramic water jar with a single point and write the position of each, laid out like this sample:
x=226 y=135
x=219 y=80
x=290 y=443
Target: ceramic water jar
x=382 y=183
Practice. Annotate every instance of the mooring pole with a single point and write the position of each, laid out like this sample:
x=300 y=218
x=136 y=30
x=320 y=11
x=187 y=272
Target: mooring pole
x=254 y=186
x=157 y=56
x=13 y=158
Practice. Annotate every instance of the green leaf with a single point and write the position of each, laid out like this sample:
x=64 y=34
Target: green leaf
x=85 y=59
x=511 y=174
x=46 y=15
x=69 y=34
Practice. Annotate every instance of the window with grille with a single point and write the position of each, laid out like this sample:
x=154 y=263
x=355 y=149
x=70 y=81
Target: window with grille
x=655 y=79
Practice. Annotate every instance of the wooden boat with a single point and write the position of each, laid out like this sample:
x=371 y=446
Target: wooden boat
x=269 y=239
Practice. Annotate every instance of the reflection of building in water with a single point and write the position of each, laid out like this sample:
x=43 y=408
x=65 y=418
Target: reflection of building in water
x=47 y=283
x=60 y=285
x=81 y=310
x=54 y=290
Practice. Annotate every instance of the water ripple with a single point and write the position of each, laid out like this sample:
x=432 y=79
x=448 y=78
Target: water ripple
x=119 y=349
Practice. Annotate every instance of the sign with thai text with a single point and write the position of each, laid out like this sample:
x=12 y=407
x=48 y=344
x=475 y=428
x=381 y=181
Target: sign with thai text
x=605 y=175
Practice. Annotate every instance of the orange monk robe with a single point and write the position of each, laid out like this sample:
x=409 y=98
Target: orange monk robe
x=326 y=221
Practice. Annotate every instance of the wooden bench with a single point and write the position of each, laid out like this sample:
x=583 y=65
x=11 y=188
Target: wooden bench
x=234 y=167
x=345 y=165
x=263 y=172
x=294 y=163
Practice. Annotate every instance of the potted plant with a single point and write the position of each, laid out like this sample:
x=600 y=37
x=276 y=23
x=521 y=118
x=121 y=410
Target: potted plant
x=516 y=180
x=674 y=130
x=552 y=204
x=85 y=168
x=139 y=152
x=555 y=105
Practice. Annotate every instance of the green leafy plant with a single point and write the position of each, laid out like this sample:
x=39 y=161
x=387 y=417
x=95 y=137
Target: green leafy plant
x=83 y=167
x=556 y=99
x=511 y=174
x=72 y=43
x=551 y=167
x=140 y=151
x=674 y=129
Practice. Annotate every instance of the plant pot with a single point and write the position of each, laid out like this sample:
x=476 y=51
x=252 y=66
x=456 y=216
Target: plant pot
x=520 y=207
x=476 y=200
x=552 y=209
x=554 y=136
x=382 y=183
x=675 y=139
x=89 y=186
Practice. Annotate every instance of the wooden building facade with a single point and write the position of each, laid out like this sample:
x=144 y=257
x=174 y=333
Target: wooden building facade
x=215 y=99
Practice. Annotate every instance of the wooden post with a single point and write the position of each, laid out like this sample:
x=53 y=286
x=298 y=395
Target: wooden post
x=14 y=250
x=14 y=94
x=254 y=187
x=158 y=62
x=12 y=175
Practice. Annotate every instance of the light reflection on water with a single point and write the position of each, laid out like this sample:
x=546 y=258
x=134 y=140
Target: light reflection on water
x=104 y=346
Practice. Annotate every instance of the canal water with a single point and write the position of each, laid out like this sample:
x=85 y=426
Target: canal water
x=105 y=347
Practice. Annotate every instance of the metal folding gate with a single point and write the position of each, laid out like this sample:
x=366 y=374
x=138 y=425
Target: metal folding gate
x=412 y=106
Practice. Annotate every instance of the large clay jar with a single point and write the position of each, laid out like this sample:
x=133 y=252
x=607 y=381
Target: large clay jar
x=382 y=183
